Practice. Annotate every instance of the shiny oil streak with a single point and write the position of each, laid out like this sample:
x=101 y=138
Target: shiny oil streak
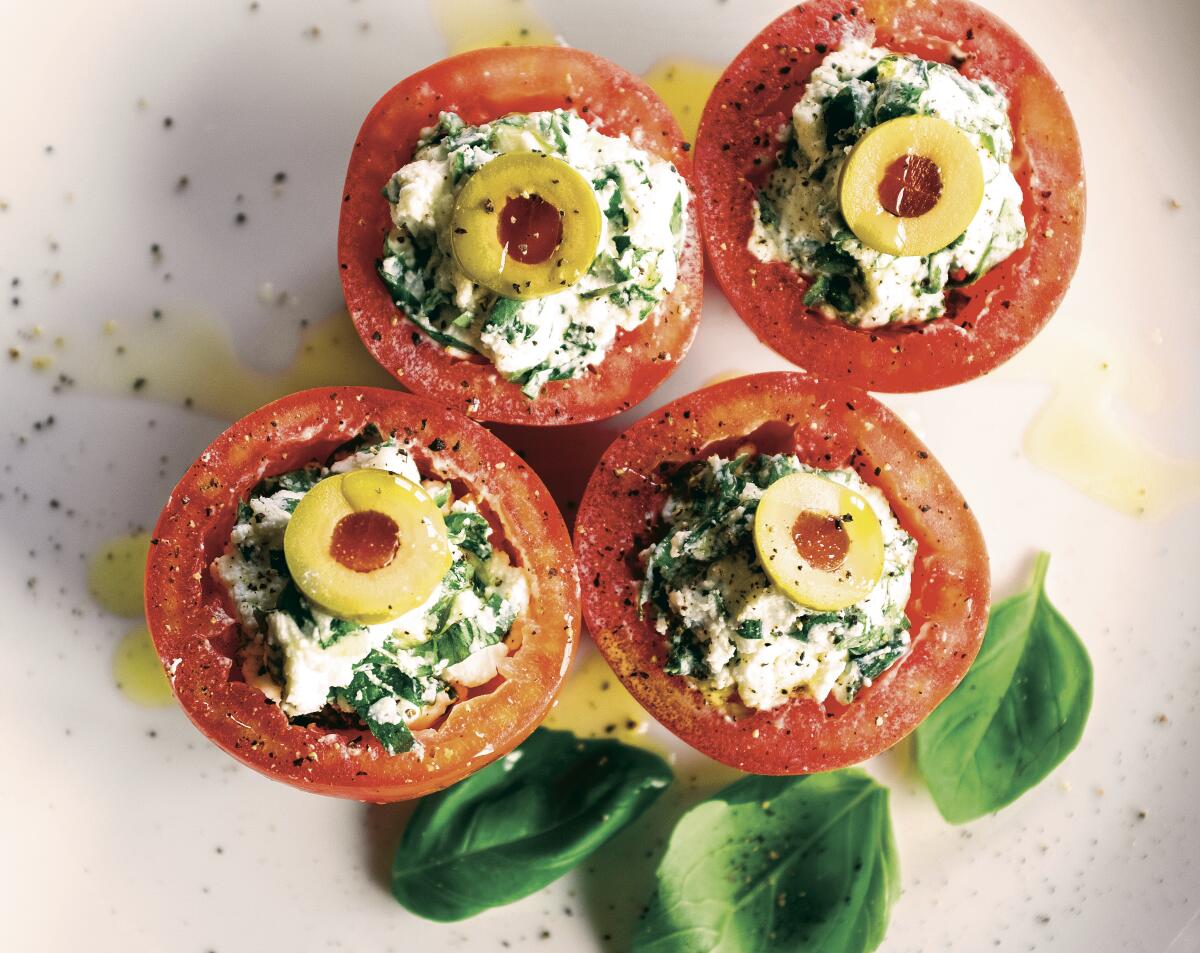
x=115 y=572
x=684 y=84
x=1086 y=433
x=189 y=360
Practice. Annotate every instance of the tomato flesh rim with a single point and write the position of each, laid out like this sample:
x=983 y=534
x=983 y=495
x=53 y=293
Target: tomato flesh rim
x=994 y=317
x=522 y=79
x=831 y=425
x=197 y=640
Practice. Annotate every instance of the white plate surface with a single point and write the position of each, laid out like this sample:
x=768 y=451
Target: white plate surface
x=123 y=830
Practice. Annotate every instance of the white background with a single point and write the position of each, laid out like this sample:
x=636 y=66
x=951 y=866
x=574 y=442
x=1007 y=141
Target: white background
x=123 y=830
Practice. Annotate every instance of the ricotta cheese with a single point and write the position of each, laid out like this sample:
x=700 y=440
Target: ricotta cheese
x=395 y=675
x=560 y=336
x=730 y=630
x=796 y=216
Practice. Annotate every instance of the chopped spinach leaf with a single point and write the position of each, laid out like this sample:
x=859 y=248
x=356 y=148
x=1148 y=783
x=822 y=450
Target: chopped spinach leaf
x=750 y=629
x=470 y=531
x=846 y=113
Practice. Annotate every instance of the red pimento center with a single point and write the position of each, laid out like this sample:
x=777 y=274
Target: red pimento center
x=821 y=540
x=531 y=228
x=365 y=541
x=911 y=186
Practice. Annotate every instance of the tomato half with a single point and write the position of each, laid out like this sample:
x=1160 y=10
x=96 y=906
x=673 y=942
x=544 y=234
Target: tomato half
x=986 y=322
x=197 y=639
x=828 y=426
x=482 y=85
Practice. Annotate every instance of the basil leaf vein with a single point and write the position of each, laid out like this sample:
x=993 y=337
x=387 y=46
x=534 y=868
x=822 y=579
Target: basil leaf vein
x=1018 y=713
x=521 y=823
x=773 y=864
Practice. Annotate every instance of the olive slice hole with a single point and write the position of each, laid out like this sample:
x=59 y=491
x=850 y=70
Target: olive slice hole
x=821 y=540
x=531 y=228
x=911 y=186
x=365 y=541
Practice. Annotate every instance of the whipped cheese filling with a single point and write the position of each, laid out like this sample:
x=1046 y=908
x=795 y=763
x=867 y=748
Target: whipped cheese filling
x=729 y=629
x=644 y=201
x=796 y=215
x=395 y=676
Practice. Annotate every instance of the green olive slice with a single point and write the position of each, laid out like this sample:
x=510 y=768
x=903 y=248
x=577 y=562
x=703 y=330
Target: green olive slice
x=526 y=225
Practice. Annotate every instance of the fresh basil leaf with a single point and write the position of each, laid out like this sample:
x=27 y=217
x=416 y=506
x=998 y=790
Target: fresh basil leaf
x=1018 y=713
x=896 y=100
x=773 y=864
x=873 y=663
x=521 y=823
x=834 y=290
x=339 y=629
x=806 y=623
x=830 y=259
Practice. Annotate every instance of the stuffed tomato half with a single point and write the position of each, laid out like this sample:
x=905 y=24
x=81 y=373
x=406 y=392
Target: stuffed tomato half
x=891 y=194
x=518 y=236
x=362 y=594
x=781 y=573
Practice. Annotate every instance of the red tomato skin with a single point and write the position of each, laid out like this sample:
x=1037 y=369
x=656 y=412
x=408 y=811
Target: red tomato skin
x=828 y=425
x=197 y=638
x=993 y=318
x=482 y=85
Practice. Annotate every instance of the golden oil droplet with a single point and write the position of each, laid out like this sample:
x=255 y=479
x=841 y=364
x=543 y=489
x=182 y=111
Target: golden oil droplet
x=190 y=360
x=474 y=24
x=115 y=574
x=684 y=86
x=138 y=672
x=1082 y=434
x=594 y=704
